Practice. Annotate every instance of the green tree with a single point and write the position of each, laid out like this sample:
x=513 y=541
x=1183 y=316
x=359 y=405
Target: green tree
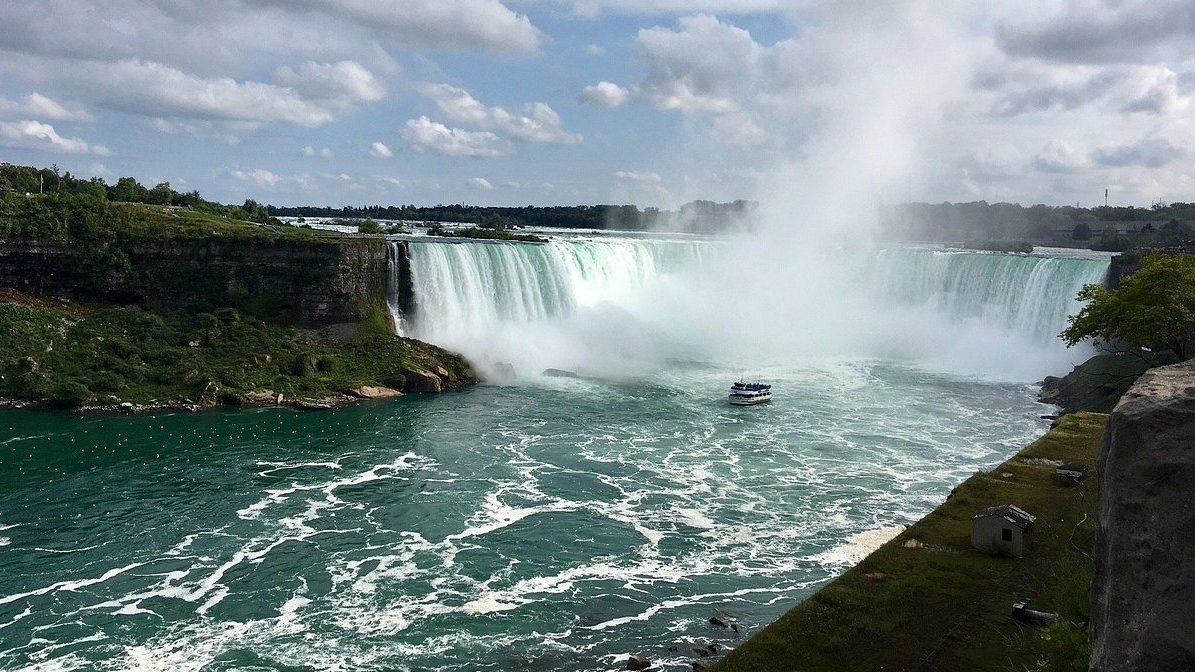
x=129 y=190
x=1153 y=308
x=1082 y=231
x=369 y=226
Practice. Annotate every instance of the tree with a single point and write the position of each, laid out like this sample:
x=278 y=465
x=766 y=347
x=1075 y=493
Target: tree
x=129 y=190
x=1082 y=231
x=369 y=226
x=1153 y=308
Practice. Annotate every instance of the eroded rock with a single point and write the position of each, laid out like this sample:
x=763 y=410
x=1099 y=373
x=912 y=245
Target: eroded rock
x=1145 y=528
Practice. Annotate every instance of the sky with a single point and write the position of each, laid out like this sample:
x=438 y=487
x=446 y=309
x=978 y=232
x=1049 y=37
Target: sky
x=651 y=102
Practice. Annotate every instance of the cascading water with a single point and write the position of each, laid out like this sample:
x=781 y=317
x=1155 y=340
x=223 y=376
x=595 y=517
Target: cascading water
x=588 y=303
x=1028 y=295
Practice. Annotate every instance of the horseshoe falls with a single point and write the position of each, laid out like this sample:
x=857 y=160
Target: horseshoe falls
x=619 y=306
x=538 y=522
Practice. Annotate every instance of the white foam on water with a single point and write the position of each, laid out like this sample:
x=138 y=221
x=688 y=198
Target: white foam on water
x=71 y=585
x=858 y=546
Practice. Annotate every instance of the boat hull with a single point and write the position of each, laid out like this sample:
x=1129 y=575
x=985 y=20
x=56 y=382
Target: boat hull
x=749 y=401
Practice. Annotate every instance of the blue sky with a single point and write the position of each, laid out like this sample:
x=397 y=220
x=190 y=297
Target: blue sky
x=652 y=102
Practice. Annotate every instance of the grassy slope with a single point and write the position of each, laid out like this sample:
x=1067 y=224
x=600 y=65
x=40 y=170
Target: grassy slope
x=945 y=606
x=157 y=222
x=70 y=355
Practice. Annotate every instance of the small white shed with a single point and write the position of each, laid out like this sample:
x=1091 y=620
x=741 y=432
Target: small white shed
x=1000 y=530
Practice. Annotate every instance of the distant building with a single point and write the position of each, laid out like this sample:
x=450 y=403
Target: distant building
x=1071 y=472
x=1000 y=530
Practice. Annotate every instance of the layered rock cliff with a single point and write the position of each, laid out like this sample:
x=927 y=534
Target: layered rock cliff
x=1143 y=600
x=311 y=283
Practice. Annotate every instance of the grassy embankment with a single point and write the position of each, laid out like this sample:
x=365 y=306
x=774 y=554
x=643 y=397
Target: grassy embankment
x=940 y=605
x=69 y=356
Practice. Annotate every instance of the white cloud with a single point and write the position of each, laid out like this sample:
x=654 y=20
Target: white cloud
x=593 y=8
x=604 y=94
x=595 y=50
x=323 y=152
x=536 y=122
x=380 y=150
x=259 y=176
x=157 y=90
x=1059 y=156
x=480 y=184
x=191 y=33
x=427 y=136
x=638 y=177
x=444 y=24
x=42 y=107
x=30 y=134
x=338 y=84
x=1089 y=31
x=310 y=96
x=1148 y=153
x=703 y=66
x=221 y=132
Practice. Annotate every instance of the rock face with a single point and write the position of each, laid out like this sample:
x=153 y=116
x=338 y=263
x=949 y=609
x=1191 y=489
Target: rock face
x=308 y=283
x=1144 y=590
x=1095 y=385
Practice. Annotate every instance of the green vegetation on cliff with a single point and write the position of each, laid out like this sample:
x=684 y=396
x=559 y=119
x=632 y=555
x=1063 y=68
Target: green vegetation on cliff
x=1153 y=308
x=68 y=357
x=485 y=234
x=928 y=601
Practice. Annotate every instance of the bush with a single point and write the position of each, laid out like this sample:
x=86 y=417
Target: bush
x=107 y=381
x=69 y=394
x=306 y=364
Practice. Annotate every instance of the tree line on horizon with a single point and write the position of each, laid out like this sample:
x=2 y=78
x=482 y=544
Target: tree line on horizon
x=697 y=216
x=1159 y=224
x=1163 y=224
x=15 y=181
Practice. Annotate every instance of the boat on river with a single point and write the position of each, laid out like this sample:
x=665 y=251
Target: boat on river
x=749 y=394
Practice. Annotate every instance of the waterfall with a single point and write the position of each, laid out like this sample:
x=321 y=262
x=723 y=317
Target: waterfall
x=1029 y=295
x=577 y=302
x=467 y=289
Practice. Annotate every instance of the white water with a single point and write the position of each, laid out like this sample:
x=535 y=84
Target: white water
x=617 y=306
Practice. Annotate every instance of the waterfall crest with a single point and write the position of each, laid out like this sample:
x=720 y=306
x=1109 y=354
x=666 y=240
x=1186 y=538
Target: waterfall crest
x=574 y=302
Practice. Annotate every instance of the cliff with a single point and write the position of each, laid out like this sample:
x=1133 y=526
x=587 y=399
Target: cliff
x=1144 y=586
x=306 y=282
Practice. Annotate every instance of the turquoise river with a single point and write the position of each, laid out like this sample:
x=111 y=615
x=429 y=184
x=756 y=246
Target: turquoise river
x=534 y=522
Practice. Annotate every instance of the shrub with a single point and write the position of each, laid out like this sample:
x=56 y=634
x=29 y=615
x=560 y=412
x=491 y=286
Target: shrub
x=69 y=394
x=306 y=364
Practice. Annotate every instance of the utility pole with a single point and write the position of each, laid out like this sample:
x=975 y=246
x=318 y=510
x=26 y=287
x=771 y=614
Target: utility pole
x=1105 y=197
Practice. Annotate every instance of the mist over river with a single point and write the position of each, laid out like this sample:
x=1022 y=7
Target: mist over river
x=533 y=523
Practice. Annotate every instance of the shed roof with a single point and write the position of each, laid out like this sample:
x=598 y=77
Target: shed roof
x=1013 y=514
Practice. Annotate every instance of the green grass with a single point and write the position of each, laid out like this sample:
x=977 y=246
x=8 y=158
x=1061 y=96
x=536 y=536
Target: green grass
x=67 y=357
x=945 y=607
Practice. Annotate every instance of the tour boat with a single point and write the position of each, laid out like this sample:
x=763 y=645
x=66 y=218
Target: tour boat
x=750 y=394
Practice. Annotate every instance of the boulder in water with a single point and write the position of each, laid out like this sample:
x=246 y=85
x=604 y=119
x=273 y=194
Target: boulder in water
x=376 y=392
x=559 y=373
x=638 y=661
x=418 y=380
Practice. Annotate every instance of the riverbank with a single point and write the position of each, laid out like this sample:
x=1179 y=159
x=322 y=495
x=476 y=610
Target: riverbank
x=928 y=601
x=103 y=358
